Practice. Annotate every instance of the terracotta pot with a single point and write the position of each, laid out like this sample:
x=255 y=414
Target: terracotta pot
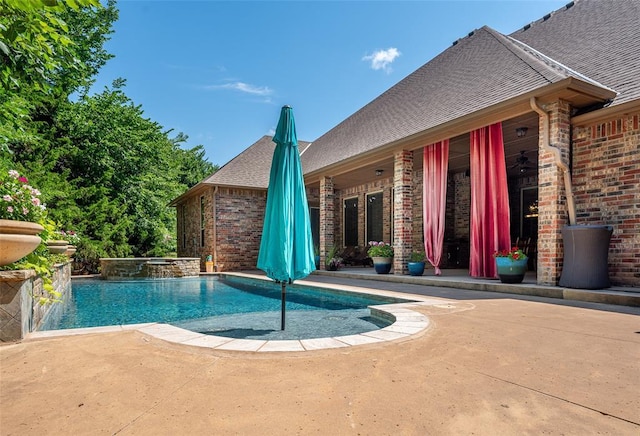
x=57 y=247
x=17 y=239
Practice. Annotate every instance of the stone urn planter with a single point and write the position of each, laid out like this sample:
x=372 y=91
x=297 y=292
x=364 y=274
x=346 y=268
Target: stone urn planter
x=17 y=239
x=57 y=246
x=382 y=265
x=510 y=270
x=71 y=250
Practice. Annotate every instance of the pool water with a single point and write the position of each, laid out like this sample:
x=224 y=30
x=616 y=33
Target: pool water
x=229 y=306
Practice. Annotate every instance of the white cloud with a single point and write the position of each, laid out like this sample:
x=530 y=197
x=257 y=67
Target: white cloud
x=244 y=87
x=382 y=59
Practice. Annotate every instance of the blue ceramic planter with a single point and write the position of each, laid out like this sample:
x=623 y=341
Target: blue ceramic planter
x=511 y=271
x=415 y=268
x=382 y=265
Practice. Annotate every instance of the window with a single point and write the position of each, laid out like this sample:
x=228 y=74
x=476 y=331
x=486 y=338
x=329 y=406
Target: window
x=314 y=214
x=183 y=225
x=351 y=222
x=374 y=217
x=202 y=221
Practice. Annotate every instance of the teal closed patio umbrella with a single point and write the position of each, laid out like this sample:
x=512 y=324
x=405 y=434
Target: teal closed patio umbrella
x=286 y=248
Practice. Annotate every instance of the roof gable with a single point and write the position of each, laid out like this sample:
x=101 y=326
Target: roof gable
x=250 y=168
x=477 y=72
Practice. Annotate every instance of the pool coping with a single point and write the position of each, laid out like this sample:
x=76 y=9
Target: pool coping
x=407 y=323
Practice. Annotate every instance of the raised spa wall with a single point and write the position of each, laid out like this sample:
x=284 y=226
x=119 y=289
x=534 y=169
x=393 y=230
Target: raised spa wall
x=149 y=267
x=20 y=310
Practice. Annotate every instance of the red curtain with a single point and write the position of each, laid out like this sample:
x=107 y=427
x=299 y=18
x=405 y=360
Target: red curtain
x=489 y=200
x=434 y=188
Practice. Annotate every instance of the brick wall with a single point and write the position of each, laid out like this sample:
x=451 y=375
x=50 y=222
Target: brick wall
x=552 y=207
x=327 y=218
x=239 y=217
x=184 y=230
x=402 y=210
x=606 y=178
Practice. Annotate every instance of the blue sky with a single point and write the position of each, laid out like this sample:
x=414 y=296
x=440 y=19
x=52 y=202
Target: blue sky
x=220 y=71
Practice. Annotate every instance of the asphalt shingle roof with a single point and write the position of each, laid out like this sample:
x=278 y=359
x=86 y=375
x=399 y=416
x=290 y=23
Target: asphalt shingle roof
x=477 y=72
x=250 y=168
x=595 y=41
x=598 y=38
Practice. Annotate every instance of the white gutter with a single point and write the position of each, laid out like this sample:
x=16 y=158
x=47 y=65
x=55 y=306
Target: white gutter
x=545 y=145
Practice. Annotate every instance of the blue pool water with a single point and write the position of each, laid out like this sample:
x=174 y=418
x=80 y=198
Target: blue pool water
x=233 y=307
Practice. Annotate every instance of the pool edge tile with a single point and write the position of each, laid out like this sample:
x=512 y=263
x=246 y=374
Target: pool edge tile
x=242 y=345
x=322 y=344
x=280 y=346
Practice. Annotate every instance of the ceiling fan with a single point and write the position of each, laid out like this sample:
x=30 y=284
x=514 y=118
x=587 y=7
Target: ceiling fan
x=522 y=163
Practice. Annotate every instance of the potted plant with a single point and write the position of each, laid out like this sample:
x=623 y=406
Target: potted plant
x=382 y=255
x=71 y=238
x=416 y=263
x=316 y=252
x=20 y=214
x=333 y=262
x=511 y=265
x=208 y=264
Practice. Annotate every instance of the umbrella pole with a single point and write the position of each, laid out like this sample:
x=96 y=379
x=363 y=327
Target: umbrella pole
x=284 y=297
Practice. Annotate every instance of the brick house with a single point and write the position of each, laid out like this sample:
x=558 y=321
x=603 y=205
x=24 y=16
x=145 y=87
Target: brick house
x=569 y=81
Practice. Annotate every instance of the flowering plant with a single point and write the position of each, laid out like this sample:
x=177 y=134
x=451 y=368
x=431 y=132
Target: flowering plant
x=380 y=249
x=69 y=235
x=334 y=264
x=514 y=254
x=18 y=200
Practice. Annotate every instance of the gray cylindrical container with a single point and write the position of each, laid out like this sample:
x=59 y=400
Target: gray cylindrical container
x=586 y=257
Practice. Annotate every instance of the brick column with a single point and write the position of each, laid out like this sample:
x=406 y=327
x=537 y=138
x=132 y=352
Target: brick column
x=327 y=218
x=552 y=207
x=402 y=210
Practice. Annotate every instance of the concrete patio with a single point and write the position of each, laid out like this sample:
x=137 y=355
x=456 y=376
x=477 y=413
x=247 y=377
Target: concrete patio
x=489 y=363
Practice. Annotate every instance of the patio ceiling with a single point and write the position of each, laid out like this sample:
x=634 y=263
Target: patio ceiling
x=459 y=155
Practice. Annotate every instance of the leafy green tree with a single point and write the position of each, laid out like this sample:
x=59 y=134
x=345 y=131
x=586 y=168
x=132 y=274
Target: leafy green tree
x=105 y=170
x=123 y=170
x=34 y=41
x=48 y=49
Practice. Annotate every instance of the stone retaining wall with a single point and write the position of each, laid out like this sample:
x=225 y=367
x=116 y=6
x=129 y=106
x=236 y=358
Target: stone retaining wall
x=20 y=310
x=149 y=267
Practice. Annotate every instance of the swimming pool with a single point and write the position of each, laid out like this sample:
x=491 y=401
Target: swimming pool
x=223 y=306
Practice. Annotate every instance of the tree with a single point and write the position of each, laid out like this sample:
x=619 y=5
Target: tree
x=123 y=170
x=34 y=41
x=105 y=170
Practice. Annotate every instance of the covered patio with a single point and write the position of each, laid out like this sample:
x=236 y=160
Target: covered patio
x=375 y=157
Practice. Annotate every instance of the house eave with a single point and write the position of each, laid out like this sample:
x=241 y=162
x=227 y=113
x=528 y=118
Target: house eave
x=605 y=113
x=578 y=92
x=203 y=186
x=196 y=189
